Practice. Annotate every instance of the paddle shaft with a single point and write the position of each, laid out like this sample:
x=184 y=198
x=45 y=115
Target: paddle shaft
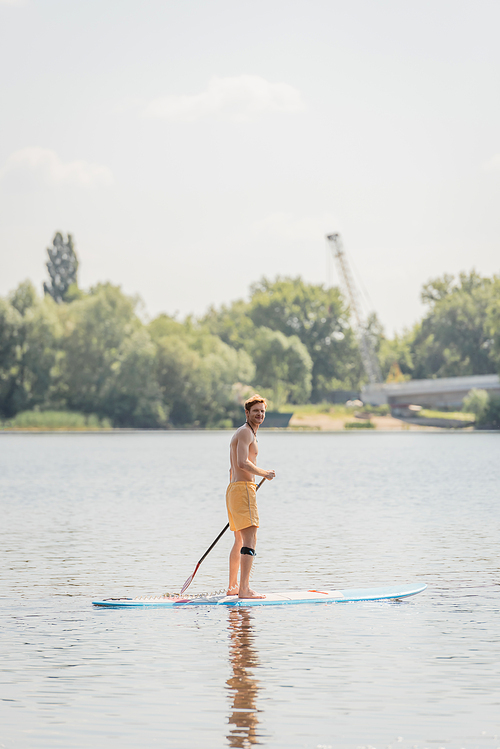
x=190 y=579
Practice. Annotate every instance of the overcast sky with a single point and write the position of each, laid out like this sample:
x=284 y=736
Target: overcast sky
x=193 y=146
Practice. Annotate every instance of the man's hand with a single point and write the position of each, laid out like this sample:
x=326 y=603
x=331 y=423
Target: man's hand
x=270 y=475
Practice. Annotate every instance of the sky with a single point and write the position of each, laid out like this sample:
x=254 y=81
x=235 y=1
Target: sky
x=192 y=147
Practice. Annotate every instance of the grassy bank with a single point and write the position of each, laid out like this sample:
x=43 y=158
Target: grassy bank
x=427 y=413
x=334 y=409
x=337 y=417
x=55 y=420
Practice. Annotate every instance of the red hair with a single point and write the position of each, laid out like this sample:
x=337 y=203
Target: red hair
x=253 y=400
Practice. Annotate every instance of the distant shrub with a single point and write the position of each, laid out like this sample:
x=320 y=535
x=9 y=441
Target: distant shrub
x=382 y=410
x=224 y=424
x=57 y=420
x=476 y=402
x=359 y=425
x=490 y=417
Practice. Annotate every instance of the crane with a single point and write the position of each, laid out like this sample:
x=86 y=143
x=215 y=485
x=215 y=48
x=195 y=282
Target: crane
x=368 y=356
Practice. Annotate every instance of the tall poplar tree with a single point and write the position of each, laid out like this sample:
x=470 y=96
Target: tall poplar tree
x=62 y=266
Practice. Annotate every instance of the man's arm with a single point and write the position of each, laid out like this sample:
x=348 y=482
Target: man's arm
x=245 y=439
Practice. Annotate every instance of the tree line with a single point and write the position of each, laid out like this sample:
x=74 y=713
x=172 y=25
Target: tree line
x=89 y=351
x=458 y=336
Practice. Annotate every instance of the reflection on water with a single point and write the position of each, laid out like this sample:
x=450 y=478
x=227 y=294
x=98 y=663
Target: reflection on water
x=92 y=516
x=243 y=688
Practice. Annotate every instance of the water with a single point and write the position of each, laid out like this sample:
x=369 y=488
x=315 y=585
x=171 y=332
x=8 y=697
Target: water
x=88 y=516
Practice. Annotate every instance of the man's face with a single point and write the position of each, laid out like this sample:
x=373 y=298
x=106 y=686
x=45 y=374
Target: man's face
x=257 y=413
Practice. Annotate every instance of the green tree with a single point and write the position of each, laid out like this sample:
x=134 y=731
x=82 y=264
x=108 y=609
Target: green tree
x=476 y=402
x=29 y=334
x=197 y=372
x=218 y=372
x=319 y=317
x=231 y=323
x=24 y=297
x=39 y=355
x=10 y=342
x=453 y=339
x=164 y=325
x=108 y=362
x=175 y=365
x=493 y=324
x=283 y=365
x=397 y=351
x=62 y=266
x=131 y=396
x=490 y=418
x=437 y=289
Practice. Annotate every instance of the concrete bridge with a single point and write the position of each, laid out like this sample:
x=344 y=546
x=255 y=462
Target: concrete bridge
x=445 y=392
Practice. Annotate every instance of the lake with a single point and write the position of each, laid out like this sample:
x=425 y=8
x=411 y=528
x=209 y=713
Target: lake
x=87 y=516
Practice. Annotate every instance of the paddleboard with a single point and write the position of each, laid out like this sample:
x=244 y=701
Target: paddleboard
x=277 y=598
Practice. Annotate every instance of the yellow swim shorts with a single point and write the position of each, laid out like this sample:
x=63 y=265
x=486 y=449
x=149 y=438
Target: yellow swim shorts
x=241 y=502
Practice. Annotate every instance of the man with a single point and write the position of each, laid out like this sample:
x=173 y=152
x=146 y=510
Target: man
x=241 y=497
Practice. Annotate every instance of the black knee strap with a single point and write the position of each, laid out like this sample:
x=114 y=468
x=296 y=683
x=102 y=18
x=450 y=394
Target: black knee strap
x=248 y=550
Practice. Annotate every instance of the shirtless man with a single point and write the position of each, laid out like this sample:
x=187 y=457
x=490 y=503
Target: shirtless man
x=241 y=497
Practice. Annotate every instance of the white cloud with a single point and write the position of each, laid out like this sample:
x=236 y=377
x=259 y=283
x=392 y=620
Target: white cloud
x=493 y=164
x=40 y=166
x=12 y=2
x=239 y=98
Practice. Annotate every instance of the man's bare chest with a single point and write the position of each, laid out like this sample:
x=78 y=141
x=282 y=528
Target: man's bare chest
x=253 y=451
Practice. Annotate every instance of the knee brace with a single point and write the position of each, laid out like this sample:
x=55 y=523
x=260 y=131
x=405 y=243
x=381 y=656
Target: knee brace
x=248 y=550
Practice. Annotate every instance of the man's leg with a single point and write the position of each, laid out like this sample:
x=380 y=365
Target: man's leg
x=234 y=564
x=249 y=540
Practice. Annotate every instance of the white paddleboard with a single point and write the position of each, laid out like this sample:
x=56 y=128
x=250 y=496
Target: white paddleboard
x=274 y=598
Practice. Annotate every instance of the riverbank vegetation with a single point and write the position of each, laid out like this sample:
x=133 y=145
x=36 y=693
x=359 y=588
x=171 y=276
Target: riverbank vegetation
x=54 y=420
x=458 y=336
x=485 y=407
x=91 y=354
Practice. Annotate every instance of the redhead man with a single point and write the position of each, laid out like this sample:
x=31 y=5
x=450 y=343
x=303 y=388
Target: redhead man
x=241 y=497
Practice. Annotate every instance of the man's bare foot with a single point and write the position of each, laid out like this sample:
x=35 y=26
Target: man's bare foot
x=249 y=594
x=233 y=590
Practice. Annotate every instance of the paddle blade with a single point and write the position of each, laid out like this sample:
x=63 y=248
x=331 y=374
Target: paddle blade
x=189 y=580
x=187 y=584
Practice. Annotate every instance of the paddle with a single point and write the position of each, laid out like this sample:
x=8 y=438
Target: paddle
x=190 y=578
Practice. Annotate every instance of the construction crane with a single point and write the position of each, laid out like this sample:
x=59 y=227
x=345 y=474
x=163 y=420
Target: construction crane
x=368 y=356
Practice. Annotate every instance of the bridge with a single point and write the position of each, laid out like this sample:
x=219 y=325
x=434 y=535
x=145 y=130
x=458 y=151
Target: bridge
x=444 y=392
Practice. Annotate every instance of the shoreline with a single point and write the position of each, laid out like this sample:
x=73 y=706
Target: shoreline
x=293 y=429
